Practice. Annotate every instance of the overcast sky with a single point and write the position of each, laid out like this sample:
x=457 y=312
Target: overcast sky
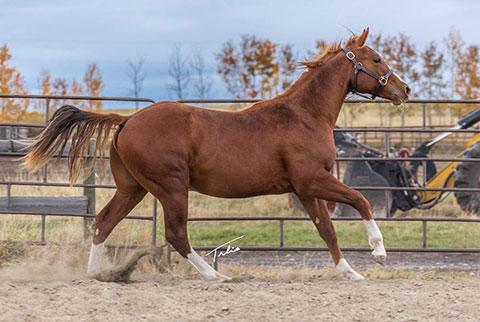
x=62 y=37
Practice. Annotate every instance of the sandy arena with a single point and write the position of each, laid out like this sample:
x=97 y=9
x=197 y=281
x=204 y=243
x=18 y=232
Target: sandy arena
x=161 y=297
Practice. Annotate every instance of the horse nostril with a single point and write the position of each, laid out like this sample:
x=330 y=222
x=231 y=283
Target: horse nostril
x=408 y=90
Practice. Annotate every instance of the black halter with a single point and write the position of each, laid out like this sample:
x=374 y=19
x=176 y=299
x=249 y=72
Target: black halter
x=383 y=80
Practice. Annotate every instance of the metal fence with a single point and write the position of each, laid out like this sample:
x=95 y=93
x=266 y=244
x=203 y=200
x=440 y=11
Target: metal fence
x=281 y=220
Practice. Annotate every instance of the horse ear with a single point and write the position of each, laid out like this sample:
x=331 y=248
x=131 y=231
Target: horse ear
x=363 y=37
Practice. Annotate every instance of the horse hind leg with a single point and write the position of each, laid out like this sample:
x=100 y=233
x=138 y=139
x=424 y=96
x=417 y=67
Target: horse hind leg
x=174 y=200
x=129 y=193
x=176 y=212
x=117 y=209
x=318 y=212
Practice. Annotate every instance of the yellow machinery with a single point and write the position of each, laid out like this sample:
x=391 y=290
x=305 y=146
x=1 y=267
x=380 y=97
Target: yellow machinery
x=445 y=178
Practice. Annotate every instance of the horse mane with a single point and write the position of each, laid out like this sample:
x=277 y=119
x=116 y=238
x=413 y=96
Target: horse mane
x=328 y=52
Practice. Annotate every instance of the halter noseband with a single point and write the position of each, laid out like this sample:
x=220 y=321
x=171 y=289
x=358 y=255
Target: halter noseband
x=383 y=80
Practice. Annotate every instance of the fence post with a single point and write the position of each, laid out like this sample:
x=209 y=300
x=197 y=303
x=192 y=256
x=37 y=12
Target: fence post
x=424 y=126
x=281 y=232
x=47 y=117
x=42 y=233
x=89 y=192
x=169 y=255
x=154 y=222
x=424 y=233
x=215 y=264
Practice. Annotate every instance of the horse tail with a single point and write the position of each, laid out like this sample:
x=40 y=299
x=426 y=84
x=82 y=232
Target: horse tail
x=67 y=123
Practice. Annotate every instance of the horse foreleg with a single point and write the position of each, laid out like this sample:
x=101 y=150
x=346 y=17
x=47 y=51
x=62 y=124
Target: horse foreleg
x=117 y=209
x=175 y=206
x=318 y=212
x=325 y=186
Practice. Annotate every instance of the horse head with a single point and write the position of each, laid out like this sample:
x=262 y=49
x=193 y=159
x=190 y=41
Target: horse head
x=372 y=74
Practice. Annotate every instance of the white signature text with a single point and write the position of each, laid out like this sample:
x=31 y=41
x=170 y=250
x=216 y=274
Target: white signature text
x=230 y=249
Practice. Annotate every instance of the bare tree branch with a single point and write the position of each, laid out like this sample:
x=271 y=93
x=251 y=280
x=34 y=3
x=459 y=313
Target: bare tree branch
x=203 y=82
x=179 y=73
x=136 y=75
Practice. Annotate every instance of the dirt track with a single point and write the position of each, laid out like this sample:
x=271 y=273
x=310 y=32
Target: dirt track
x=166 y=298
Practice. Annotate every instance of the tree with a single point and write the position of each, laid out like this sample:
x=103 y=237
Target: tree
x=136 y=75
x=401 y=54
x=59 y=88
x=45 y=84
x=202 y=83
x=93 y=86
x=432 y=85
x=179 y=73
x=376 y=42
x=267 y=67
x=253 y=68
x=11 y=82
x=76 y=89
x=454 y=44
x=468 y=80
x=230 y=70
x=288 y=65
x=320 y=46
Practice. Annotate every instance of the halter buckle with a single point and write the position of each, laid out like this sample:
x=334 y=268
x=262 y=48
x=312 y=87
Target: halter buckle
x=350 y=55
x=383 y=80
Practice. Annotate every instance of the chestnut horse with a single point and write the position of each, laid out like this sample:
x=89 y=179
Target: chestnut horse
x=280 y=145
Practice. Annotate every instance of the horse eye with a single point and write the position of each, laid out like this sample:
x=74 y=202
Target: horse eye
x=377 y=60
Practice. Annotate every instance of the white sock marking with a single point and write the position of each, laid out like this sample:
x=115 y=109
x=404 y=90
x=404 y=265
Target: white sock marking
x=317 y=220
x=375 y=238
x=95 y=259
x=345 y=269
x=202 y=266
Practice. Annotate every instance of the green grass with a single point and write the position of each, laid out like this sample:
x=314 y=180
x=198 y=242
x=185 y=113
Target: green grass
x=398 y=234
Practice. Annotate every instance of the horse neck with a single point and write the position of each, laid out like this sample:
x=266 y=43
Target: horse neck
x=320 y=92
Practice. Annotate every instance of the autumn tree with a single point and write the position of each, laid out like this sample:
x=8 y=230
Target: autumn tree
x=401 y=55
x=253 y=68
x=76 y=89
x=93 y=86
x=45 y=85
x=11 y=82
x=454 y=45
x=467 y=84
x=288 y=65
x=320 y=46
x=230 y=69
x=59 y=88
x=431 y=84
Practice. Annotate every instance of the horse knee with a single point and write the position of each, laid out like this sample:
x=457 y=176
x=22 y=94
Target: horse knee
x=360 y=203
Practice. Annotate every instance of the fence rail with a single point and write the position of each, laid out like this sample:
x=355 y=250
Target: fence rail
x=281 y=220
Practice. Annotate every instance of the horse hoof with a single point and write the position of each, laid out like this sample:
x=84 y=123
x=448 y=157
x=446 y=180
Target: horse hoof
x=347 y=271
x=219 y=278
x=223 y=278
x=353 y=276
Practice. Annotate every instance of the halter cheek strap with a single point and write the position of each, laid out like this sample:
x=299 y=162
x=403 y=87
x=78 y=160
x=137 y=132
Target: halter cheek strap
x=382 y=80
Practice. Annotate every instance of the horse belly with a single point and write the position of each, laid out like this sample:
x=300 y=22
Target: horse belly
x=240 y=182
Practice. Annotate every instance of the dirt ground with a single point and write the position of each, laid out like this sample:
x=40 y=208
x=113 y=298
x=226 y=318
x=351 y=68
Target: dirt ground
x=162 y=297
